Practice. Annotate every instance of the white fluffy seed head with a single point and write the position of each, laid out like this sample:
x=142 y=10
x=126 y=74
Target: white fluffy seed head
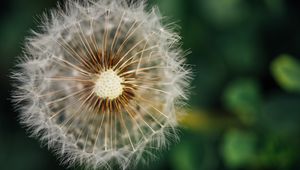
x=101 y=82
x=109 y=85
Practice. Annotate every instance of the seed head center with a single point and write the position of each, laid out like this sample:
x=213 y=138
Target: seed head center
x=109 y=85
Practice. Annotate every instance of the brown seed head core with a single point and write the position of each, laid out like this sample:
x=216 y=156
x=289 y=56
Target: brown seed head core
x=109 y=90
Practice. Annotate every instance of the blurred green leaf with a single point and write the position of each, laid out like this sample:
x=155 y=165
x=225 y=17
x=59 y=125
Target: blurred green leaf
x=277 y=151
x=243 y=98
x=239 y=148
x=286 y=71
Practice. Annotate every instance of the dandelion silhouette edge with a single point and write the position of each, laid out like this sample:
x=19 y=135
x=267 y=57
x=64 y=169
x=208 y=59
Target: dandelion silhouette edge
x=100 y=83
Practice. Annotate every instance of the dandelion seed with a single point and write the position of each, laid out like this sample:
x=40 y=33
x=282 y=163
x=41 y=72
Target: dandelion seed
x=100 y=83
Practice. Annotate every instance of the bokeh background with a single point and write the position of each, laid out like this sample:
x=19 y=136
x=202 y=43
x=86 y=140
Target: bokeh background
x=244 y=111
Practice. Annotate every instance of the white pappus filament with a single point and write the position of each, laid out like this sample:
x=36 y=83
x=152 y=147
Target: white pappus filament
x=101 y=82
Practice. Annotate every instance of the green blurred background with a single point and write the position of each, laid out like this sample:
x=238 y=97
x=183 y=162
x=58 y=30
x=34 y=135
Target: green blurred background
x=245 y=97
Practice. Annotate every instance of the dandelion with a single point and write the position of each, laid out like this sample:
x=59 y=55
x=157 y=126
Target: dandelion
x=100 y=83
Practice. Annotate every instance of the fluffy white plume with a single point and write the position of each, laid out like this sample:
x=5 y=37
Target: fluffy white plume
x=100 y=83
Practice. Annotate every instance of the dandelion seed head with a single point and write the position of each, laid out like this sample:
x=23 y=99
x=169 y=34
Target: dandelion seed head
x=101 y=82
